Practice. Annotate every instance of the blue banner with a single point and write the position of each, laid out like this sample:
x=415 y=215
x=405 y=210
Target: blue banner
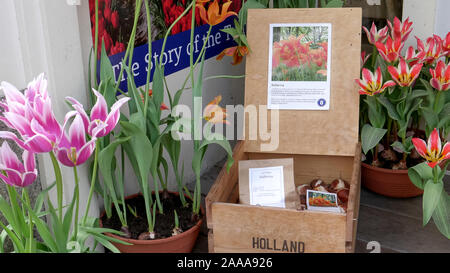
x=176 y=53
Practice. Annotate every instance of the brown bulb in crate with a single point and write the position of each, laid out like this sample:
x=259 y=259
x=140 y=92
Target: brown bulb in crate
x=343 y=195
x=321 y=188
x=337 y=185
x=301 y=190
x=316 y=183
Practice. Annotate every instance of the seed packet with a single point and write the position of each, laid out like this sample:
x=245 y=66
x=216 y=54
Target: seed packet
x=322 y=201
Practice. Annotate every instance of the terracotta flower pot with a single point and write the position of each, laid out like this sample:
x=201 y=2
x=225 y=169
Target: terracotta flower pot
x=387 y=182
x=181 y=243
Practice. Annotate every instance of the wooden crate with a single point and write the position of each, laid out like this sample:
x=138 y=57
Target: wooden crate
x=235 y=227
x=324 y=144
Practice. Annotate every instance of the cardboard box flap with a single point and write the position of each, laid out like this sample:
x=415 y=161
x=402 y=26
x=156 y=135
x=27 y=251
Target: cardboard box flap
x=321 y=132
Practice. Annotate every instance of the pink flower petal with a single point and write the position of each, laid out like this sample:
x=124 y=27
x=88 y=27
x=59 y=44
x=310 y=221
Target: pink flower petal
x=86 y=151
x=62 y=155
x=29 y=161
x=12 y=93
x=113 y=116
x=9 y=158
x=100 y=109
x=77 y=133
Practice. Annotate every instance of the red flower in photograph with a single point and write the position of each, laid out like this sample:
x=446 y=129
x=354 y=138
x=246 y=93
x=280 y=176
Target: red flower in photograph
x=107 y=14
x=115 y=19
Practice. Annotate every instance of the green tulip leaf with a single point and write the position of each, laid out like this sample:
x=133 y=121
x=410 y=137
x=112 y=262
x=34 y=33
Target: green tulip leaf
x=370 y=137
x=431 y=196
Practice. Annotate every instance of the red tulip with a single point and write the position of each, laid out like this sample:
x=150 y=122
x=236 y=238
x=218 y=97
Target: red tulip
x=364 y=58
x=446 y=45
x=372 y=83
x=403 y=74
x=413 y=57
x=400 y=31
x=115 y=19
x=107 y=14
x=106 y=38
x=431 y=50
x=432 y=151
x=390 y=51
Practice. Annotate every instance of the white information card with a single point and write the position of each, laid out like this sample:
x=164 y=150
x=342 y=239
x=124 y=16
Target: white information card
x=299 y=66
x=267 y=186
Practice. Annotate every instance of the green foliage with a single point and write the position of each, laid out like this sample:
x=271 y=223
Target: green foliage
x=370 y=137
x=435 y=201
x=301 y=73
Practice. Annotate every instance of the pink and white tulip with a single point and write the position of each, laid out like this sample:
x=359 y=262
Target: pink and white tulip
x=432 y=151
x=374 y=35
x=31 y=115
x=440 y=76
x=73 y=149
x=100 y=123
x=12 y=171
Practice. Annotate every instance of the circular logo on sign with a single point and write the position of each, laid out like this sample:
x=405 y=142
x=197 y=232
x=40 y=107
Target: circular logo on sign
x=321 y=102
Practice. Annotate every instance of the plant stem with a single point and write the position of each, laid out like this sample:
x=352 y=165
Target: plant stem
x=436 y=101
x=374 y=56
x=30 y=222
x=149 y=38
x=77 y=205
x=435 y=174
x=389 y=127
x=93 y=180
x=96 y=45
x=59 y=185
x=15 y=209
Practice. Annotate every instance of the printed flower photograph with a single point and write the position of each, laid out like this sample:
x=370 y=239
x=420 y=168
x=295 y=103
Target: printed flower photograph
x=116 y=19
x=299 y=53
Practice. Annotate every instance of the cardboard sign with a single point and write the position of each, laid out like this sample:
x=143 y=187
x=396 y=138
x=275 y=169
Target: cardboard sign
x=301 y=131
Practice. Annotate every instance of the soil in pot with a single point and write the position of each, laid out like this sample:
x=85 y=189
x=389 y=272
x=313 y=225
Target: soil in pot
x=388 y=158
x=164 y=224
x=386 y=163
